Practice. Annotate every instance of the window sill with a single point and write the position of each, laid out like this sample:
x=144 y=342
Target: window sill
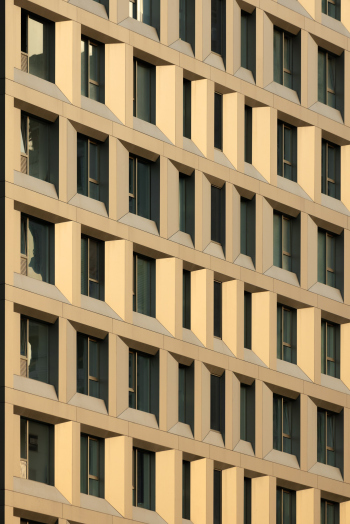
x=90 y=403
x=91 y=6
x=221 y=158
x=250 y=170
x=38 y=490
x=335 y=204
x=283 y=92
x=97 y=504
x=294 y=5
x=214 y=438
x=35 y=184
x=245 y=74
x=38 y=287
x=283 y=275
x=89 y=204
x=292 y=187
x=334 y=24
x=139 y=417
x=139 y=27
x=250 y=356
x=150 y=129
x=245 y=448
x=293 y=370
x=182 y=238
x=149 y=226
x=215 y=60
x=183 y=47
x=98 y=108
x=34 y=387
x=244 y=261
x=326 y=291
x=146 y=516
x=328 y=112
x=190 y=337
x=220 y=347
x=285 y=459
x=38 y=84
x=182 y=430
x=98 y=306
x=214 y=249
x=334 y=383
x=190 y=146
x=326 y=471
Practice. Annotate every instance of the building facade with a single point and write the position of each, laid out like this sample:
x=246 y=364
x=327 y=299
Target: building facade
x=175 y=245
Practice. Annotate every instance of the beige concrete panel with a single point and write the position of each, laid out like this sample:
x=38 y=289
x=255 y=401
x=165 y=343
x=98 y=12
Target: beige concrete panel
x=122 y=180
x=13 y=241
x=113 y=10
x=202 y=308
x=202 y=115
x=119 y=277
x=267 y=240
x=309 y=413
x=13 y=27
x=264 y=500
x=72 y=152
x=12 y=139
x=229 y=38
x=344 y=354
x=233 y=316
x=71 y=361
x=169 y=485
x=264 y=327
x=203 y=29
x=229 y=224
x=122 y=10
x=233 y=496
x=229 y=409
x=204 y=398
x=312 y=246
x=264 y=150
x=202 y=211
x=169 y=391
x=259 y=232
x=264 y=50
x=12 y=340
x=313 y=8
x=308 y=506
x=266 y=404
x=12 y=435
x=346 y=459
x=122 y=376
x=118 y=474
x=309 y=161
x=68 y=61
x=344 y=512
x=169 y=294
x=236 y=59
x=63 y=163
x=169 y=89
x=62 y=360
x=67 y=267
x=67 y=460
x=112 y=375
x=236 y=410
x=169 y=21
x=233 y=129
x=112 y=182
x=202 y=486
x=311 y=52
x=169 y=190
x=309 y=342
x=304 y=69
x=119 y=81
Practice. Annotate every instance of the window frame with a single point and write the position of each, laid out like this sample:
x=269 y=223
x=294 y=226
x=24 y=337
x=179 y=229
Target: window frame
x=135 y=489
x=24 y=260
x=329 y=269
x=285 y=35
x=285 y=344
x=219 y=337
x=24 y=461
x=152 y=284
x=88 y=79
x=284 y=161
x=152 y=102
x=221 y=116
x=99 y=255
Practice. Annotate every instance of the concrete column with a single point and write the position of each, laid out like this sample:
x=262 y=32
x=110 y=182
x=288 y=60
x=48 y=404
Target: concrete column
x=118 y=474
x=122 y=10
x=112 y=181
x=202 y=115
x=344 y=354
x=202 y=308
x=233 y=316
x=264 y=500
x=344 y=510
x=122 y=180
x=309 y=161
x=122 y=376
x=202 y=396
x=119 y=277
x=233 y=496
x=67 y=60
x=168 y=391
x=233 y=129
x=309 y=243
x=112 y=375
x=309 y=506
x=169 y=21
x=119 y=81
x=264 y=49
x=202 y=211
x=202 y=487
x=67 y=461
x=67 y=267
x=264 y=152
x=203 y=29
x=169 y=190
x=169 y=485
x=267 y=240
x=313 y=8
x=266 y=406
x=309 y=342
x=169 y=294
x=169 y=88
x=264 y=327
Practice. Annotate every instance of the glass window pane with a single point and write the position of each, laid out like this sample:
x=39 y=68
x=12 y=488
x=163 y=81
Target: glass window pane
x=38 y=250
x=217 y=496
x=330 y=252
x=144 y=382
x=322 y=76
x=321 y=436
x=84 y=68
x=84 y=266
x=243 y=412
x=94 y=62
x=331 y=73
x=186 y=298
x=143 y=189
x=187 y=89
x=182 y=393
x=218 y=121
x=287 y=144
x=288 y=80
x=132 y=385
x=93 y=359
x=82 y=364
x=145 y=479
x=24 y=120
x=331 y=10
x=94 y=259
x=331 y=162
x=23 y=438
x=39 y=452
x=84 y=464
x=24 y=336
x=287 y=243
x=287 y=508
x=143 y=91
x=277 y=422
x=182 y=202
x=277 y=57
x=94 y=161
x=216 y=26
x=287 y=326
x=38 y=148
x=217 y=309
x=83 y=171
x=94 y=487
x=323 y=347
x=244 y=39
x=277 y=240
x=215 y=214
x=331 y=514
x=215 y=402
x=287 y=53
x=243 y=226
x=94 y=449
x=38 y=351
x=321 y=257
x=38 y=48
x=186 y=490
x=143 y=283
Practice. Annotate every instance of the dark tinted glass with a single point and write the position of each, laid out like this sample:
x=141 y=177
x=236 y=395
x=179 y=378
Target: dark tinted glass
x=217 y=26
x=247 y=500
x=215 y=401
x=217 y=309
x=186 y=490
x=186 y=298
x=187 y=108
x=247 y=320
x=216 y=214
x=248 y=134
x=217 y=496
x=218 y=121
x=187 y=22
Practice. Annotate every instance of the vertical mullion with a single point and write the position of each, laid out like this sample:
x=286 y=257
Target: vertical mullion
x=27 y=444
x=135 y=371
x=88 y=167
x=88 y=266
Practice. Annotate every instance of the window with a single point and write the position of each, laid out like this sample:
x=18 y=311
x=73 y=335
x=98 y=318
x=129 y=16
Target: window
x=286 y=333
x=248 y=227
x=329 y=512
x=144 y=91
x=285 y=506
x=248 y=134
x=92 y=73
x=144 y=293
x=330 y=79
x=92 y=367
x=287 y=151
x=144 y=382
x=187 y=107
x=146 y=11
x=247 y=413
x=186 y=299
x=88 y=167
x=218 y=215
x=37 y=249
x=330 y=169
x=247 y=320
x=218 y=27
x=218 y=121
x=187 y=22
x=286 y=242
x=143 y=479
x=330 y=445
x=248 y=43
x=37 y=46
x=92 y=267
x=217 y=403
x=330 y=258
x=331 y=8
x=186 y=489
x=186 y=204
x=247 y=500
x=39 y=147
x=39 y=350
x=186 y=395
x=217 y=497
x=37 y=451
x=91 y=466
x=286 y=425
x=330 y=349
x=217 y=309
x=283 y=57
x=144 y=194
